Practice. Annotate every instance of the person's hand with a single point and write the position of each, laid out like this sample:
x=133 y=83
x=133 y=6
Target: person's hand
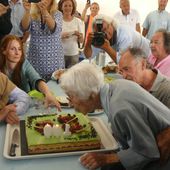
x=65 y=35
x=8 y=113
x=3 y=9
x=8 y=108
x=27 y=6
x=50 y=100
x=87 y=5
x=79 y=35
x=93 y=160
x=106 y=45
x=42 y=5
x=12 y=118
x=163 y=142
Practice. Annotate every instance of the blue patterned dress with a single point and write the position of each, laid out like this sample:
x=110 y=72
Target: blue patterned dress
x=45 y=51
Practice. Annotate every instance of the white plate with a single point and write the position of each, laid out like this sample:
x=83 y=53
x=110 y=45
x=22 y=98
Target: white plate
x=96 y=112
x=108 y=142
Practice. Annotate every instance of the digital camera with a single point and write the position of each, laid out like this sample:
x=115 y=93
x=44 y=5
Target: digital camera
x=99 y=36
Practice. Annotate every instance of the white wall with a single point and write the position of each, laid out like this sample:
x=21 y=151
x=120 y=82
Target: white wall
x=109 y=7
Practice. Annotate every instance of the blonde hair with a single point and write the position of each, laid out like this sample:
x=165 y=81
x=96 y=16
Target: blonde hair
x=35 y=12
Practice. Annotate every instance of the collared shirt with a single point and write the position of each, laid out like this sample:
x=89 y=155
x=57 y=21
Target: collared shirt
x=161 y=89
x=136 y=118
x=162 y=66
x=17 y=12
x=156 y=20
x=131 y=19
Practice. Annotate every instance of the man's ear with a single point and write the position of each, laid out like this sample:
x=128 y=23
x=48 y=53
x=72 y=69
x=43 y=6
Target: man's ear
x=144 y=64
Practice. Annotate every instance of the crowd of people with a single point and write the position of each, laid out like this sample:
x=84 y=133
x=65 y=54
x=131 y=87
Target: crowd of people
x=137 y=105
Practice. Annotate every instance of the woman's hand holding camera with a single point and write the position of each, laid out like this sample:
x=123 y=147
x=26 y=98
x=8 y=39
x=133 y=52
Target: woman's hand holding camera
x=42 y=5
x=27 y=6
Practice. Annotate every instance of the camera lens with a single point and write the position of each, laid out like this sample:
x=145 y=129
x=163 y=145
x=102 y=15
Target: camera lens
x=99 y=38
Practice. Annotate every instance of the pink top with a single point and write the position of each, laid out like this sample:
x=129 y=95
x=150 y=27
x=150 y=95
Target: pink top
x=163 y=66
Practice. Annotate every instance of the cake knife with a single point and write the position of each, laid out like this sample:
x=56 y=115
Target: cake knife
x=14 y=143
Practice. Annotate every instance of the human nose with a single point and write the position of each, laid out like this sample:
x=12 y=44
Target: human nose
x=16 y=51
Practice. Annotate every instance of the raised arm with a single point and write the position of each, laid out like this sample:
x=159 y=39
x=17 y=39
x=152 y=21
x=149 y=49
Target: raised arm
x=88 y=49
x=83 y=15
x=49 y=20
x=25 y=22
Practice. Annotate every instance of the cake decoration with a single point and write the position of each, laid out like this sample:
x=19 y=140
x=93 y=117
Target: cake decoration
x=60 y=133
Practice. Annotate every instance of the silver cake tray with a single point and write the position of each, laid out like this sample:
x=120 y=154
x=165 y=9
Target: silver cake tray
x=108 y=142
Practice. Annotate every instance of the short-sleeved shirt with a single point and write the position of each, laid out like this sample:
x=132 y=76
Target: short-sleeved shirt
x=70 y=44
x=156 y=20
x=161 y=89
x=131 y=19
x=6 y=86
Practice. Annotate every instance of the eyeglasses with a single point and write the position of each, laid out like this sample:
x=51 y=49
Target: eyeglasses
x=155 y=43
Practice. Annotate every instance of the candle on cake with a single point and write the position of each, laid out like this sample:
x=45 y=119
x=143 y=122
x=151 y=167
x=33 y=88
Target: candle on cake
x=67 y=130
x=47 y=130
x=57 y=131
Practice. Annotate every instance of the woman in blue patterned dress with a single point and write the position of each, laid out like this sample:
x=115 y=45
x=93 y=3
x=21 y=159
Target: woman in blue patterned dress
x=44 y=22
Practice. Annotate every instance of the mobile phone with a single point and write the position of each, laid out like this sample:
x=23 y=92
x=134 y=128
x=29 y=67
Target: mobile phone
x=34 y=1
x=88 y=1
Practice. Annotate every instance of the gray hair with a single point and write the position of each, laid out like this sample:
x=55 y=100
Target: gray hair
x=138 y=54
x=105 y=18
x=82 y=80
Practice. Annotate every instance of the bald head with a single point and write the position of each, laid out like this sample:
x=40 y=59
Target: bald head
x=125 y=6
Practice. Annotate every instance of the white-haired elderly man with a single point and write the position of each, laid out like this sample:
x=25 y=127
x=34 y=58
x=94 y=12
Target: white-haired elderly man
x=116 y=38
x=137 y=118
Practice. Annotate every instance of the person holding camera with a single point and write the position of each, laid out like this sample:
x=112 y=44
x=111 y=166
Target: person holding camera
x=113 y=38
x=44 y=22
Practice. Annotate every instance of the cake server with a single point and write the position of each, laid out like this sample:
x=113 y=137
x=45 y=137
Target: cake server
x=14 y=143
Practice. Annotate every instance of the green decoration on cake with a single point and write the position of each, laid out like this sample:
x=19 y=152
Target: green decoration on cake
x=82 y=135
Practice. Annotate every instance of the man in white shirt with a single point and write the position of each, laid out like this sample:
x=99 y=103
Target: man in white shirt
x=128 y=16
